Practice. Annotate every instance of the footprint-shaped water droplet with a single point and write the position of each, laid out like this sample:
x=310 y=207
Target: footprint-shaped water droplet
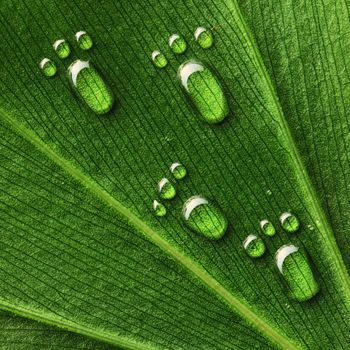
x=254 y=246
x=204 y=37
x=84 y=40
x=166 y=189
x=204 y=90
x=289 y=222
x=48 y=67
x=91 y=87
x=177 y=44
x=296 y=271
x=159 y=60
x=159 y=208
x=204 y=217
x=62 y=48
x=178 y=170
x=267 y=228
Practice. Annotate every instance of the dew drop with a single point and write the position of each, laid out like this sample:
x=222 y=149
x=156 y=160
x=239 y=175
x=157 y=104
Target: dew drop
x=204 y=90
x=204 y=217
x=204 y=37
x=48 y=67
x=254 y=246
x=84 y=40
x=267 y=228
x=166 y=189
x=294 y=266
x=91 y=87
x=159 y=60
x=159 y=208
x=177 y=44
x=62 y=48
x=289 y=222
x=178 y=170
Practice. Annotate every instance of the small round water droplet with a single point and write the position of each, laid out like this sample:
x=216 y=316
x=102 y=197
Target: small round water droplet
x=84 y=40
x=204 y=37
x=267 y=228
x=166 y=189
x=91 y=87
x=269 y=192
x=289 y=222
x=254 y=246
x=178 y=170
x=159 y=60
x=296 y=271
x=204 y=91
x=177 y=44
x=62 y=48
x=48 y=67
x=159 y=208
x=204 y=217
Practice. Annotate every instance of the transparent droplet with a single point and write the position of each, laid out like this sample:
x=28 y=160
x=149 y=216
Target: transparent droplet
x=178 y=170
x=254 y=246
x=177 y=44
x=294 y=266
x=166 y=189
x=204 y=217
x=62 y=48
x=91 y=87
x=84 y=40
x=159 y=59
x=159 y=208
x=204 y=90
x=289 y=222
x=204 y=37
x=48 y=67
x=267 y=228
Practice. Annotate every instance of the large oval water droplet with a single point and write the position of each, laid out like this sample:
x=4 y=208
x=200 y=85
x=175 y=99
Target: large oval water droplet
x=204 y=217
x=84 y=40
x=289 y=222
x=166 y=189
x=204 y=90
x=62 y=48
x=48 y=67
x=267 y=228
x=296 y=271
x=159 y=60
x=177 y=44
x=91 y=87
x=178 y=170
x=254 y=246
x=159 y=208
x=204 y=37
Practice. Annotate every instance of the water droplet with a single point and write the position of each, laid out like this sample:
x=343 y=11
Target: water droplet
x=204 y=37
x=204 y=91
x=178 y=170
x=289 y=222
x=267 y=228
x=296 y=271
x=204 y=217
x=159 y=59
x=91 y=87
x=269 y=192
x=84 y=40
x=159 y=208
x=48 y=67
x=166 y=189
x=62 y=48
x=254 y=246
x=177 y=43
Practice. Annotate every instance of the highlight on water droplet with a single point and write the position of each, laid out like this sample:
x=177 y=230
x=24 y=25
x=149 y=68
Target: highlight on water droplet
x=166 y=189
x=294 y=266
x=177 y=44
x=178 y=170
x=289 y=222
x=204 y=90
x=159 y=60
x=62 y=48
x=84 y=40
x=91 y=87
x=204 y=37
x=267 y=228
x=48 y=67
x=159 y=208
x=204 y=217
x=254 y=246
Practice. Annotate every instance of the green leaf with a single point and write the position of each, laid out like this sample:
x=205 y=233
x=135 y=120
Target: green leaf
x=81 y=248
